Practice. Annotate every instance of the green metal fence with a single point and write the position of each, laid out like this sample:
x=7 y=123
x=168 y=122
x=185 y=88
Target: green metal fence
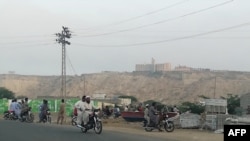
x=54 y=105
x=3 y=105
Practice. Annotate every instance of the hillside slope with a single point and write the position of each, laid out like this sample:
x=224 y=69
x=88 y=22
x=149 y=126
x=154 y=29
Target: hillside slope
x=169 y=87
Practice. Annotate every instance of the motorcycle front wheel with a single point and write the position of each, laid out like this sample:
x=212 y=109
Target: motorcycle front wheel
x=30 y=118
x=98 y=127
x=169 y=127
x=73 y=121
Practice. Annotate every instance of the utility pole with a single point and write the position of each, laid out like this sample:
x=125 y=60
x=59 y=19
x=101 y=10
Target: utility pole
x=214 y=86
x=61 y=40
x=84 y=84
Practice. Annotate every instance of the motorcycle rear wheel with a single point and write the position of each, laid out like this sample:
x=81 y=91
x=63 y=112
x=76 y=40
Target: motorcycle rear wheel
x=84 y=130
x=6 y=116
x=73 y=121
x=169 y=127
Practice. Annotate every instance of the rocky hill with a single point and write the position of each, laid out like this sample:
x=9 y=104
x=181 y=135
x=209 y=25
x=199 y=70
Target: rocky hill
x=169 y=87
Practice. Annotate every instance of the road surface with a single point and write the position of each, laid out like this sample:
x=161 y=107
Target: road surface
x=18 y=131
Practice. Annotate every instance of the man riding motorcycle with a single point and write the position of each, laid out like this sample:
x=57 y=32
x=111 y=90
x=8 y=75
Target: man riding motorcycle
x=88 y=110
x=154 y=117
x=84 y=110
x=25 y=107
x=79 y=106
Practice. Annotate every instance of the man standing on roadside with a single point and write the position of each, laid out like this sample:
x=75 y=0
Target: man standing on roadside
x=61 y=112
x=146 y=115
x=154 y=116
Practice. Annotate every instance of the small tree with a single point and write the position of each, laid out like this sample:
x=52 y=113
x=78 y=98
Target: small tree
x=233 y=104
x=5 y=93
x=193 y=107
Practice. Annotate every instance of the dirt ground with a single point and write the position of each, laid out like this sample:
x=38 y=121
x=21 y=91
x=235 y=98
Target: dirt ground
x=121 y=125
x=178 y=134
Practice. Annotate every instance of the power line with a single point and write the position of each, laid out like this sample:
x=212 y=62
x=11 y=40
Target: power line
x=174 y=39
x=29 y=45
x=71 y=64
x=29 y=36
x=140 y=16
x=160 y=22
x=23 y=42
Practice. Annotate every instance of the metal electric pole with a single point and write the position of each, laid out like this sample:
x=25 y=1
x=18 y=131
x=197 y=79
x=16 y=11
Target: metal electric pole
x=62 y=40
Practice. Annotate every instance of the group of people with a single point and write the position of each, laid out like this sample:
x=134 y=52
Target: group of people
x=84 y=109
x=19 y=108
x=108 y=112
x=44 y=108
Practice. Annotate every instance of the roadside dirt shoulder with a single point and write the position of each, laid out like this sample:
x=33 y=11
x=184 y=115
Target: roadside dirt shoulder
x=179 y=134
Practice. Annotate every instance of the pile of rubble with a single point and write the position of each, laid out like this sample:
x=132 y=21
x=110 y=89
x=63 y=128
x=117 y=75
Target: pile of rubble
x=238 y=120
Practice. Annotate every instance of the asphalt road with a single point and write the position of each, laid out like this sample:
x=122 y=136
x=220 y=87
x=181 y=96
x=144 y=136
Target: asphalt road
x=18 y=131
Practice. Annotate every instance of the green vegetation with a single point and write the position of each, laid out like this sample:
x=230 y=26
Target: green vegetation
x=5 y=93
x=192 y=107
x=233 y=105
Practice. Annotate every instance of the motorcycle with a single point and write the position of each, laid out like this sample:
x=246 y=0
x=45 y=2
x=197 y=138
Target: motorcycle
x=94 y=123
x=27 y=116
x=165 y=122
x=10 y=115
x=47 y=117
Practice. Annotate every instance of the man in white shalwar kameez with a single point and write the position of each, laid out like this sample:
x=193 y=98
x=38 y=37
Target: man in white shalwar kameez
x=88 y=110
x=13 y=105
x=18 y=109
x=80 y=109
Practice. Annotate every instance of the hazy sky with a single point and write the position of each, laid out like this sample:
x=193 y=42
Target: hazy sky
x=114 y=35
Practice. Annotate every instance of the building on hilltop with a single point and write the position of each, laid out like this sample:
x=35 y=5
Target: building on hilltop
x=163 y=67
x=182 y=68
x=153 y=67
